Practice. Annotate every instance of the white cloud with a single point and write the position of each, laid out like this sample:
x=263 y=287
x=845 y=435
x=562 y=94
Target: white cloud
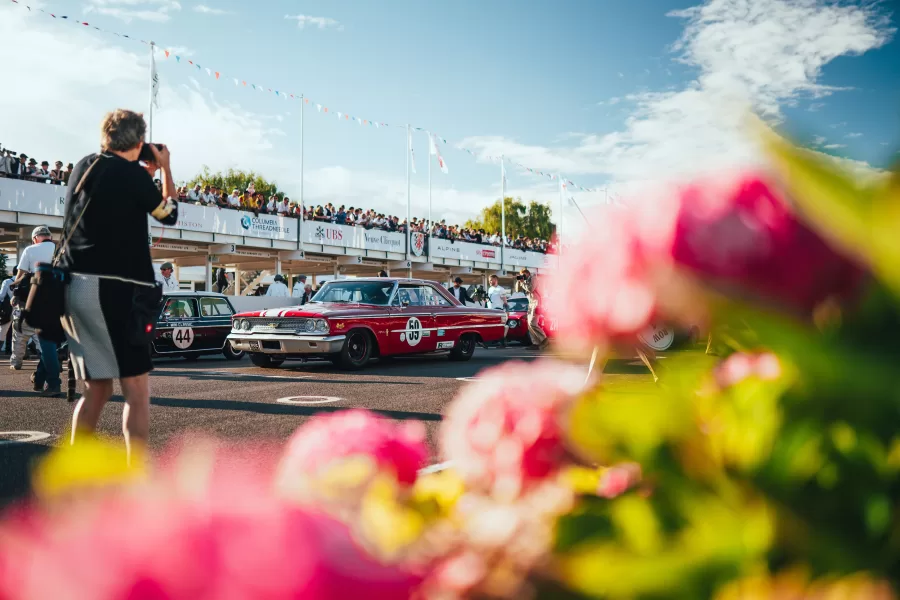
x=208 y=10
x=834 y=146
x=158 y=11
x=816 y=106
x=818 y=140
x=320 y=22
x=853 y=135
x=754 y=55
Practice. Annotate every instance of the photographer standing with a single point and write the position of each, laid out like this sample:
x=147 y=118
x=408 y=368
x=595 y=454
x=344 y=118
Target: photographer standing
x=526 y=283
x=113 y=298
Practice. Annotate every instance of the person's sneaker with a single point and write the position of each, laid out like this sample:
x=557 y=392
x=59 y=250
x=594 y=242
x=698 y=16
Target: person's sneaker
x=52 y=392
x=35 y=386
x=15 y=367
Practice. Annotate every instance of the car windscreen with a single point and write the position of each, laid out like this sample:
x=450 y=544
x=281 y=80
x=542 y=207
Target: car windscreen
x=518 y=304
x=359 y=292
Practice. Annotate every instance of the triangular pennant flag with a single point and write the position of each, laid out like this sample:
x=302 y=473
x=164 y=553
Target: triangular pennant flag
x=319 y=107
x=377 y=126
x=177 y=58
x=245 y=84
x=325 y=109
x=217 y=74
x=339 y=114
x=412 y=154
x=190 y=62
x=236 y=82
x=346 y=117
x=154 y=80
x=253 y=85
x=167 y=53
x=209 y=71
x=276 y=92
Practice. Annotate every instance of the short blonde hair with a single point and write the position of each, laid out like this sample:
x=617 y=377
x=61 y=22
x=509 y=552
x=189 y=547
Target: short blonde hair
x=122 y=130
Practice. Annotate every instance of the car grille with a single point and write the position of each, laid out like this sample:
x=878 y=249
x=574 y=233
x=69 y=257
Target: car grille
x=276 y=325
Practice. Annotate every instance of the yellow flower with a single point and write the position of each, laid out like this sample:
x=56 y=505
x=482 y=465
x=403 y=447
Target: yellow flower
x=90 y=463
x=386 y=523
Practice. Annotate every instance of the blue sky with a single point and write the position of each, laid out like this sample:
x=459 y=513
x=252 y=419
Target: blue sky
x=595 y=90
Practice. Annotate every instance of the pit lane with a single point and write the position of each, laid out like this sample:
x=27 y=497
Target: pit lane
x=238 y=402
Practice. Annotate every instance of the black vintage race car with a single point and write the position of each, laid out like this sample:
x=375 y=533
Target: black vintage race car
x=192 y=324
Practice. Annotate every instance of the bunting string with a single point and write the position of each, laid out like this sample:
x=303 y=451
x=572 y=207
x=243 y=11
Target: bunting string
x=321 y=108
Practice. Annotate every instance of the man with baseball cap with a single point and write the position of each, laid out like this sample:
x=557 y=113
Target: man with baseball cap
x=47 y=372
x=299 y=288
x=166 y=279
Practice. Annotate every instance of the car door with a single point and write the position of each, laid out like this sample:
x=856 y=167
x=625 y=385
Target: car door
x=446 y=318
x=411 y=323
x=175 y=332
x=215 y=323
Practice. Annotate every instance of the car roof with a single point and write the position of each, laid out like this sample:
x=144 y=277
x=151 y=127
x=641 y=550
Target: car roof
x=380 y=279
x=187 y=293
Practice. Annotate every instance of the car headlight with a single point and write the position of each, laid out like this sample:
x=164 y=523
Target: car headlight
x=245 y=325
x=321 y=326
x=512 y=323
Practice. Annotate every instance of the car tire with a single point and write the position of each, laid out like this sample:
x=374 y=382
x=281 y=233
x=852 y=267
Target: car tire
x=230 y=353
x=464 y=348
x=265 y=361
x=357 y=350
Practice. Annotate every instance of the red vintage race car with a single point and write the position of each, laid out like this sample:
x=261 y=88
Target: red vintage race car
x=354 y=320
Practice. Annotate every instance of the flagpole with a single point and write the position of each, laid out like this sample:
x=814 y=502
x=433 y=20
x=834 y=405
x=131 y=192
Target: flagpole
x=302 y=206
x=150 y=119
x=430 y=142
x=502 y=215
x=408 y=144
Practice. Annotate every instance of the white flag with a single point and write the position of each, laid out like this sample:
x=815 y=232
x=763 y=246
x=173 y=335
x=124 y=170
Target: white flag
x=154 y=81
x=412 y=154
x=434 y=151
x=502 y=180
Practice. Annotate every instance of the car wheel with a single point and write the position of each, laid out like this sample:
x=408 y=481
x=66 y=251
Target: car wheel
x=232 y=354
x=357 y=350
x=464 y=348
x=265 y=361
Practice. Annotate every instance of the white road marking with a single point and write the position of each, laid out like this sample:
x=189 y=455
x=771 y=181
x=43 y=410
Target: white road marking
x=29 y=436
x=436 y=468
x=309 y=400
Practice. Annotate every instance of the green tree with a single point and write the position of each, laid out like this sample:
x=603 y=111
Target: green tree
x=531 y=221
x=234 y=178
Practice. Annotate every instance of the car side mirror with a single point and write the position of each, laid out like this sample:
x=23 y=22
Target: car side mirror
x=404 y=303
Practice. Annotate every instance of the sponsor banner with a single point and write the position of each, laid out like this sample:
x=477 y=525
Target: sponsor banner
x=439 y=248
x=32 y=197
x=210 y=219
x=346 y=236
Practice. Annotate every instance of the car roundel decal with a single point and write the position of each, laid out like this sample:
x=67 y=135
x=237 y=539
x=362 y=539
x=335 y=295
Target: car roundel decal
x=413 y=333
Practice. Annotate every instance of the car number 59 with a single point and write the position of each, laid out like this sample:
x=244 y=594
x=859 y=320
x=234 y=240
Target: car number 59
x=183 y=337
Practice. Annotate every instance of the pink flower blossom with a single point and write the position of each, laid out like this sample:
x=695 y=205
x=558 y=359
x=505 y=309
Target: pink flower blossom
x=504 y=432
x=740 y=233
x=741 y=365
x=192 y=533
x=735 y=234
x=398 y=447
x=618 y=479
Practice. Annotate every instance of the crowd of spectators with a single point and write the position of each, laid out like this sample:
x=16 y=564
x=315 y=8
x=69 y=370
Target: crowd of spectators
x=22 y=167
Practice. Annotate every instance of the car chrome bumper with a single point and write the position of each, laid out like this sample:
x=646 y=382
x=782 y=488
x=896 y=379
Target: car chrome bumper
x=269 y=343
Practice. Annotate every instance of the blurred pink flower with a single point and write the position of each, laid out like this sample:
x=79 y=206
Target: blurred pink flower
x=738 y=232
x=735 y=234
x=504 y=432
x=324 y=440
x=741 y=365
x=618 y=479
x=216 y=535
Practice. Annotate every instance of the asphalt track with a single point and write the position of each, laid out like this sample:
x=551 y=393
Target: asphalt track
x=236 y=401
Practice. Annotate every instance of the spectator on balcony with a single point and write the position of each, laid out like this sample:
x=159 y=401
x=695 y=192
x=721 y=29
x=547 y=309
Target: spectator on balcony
x=21 y=165
x=68 y=173
x=284 y=207
x=234 y=200
x=247 y=200
x=6 y=162
x=212 y=196
x=57 y=171
x=194 y=194
x=340 y=217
